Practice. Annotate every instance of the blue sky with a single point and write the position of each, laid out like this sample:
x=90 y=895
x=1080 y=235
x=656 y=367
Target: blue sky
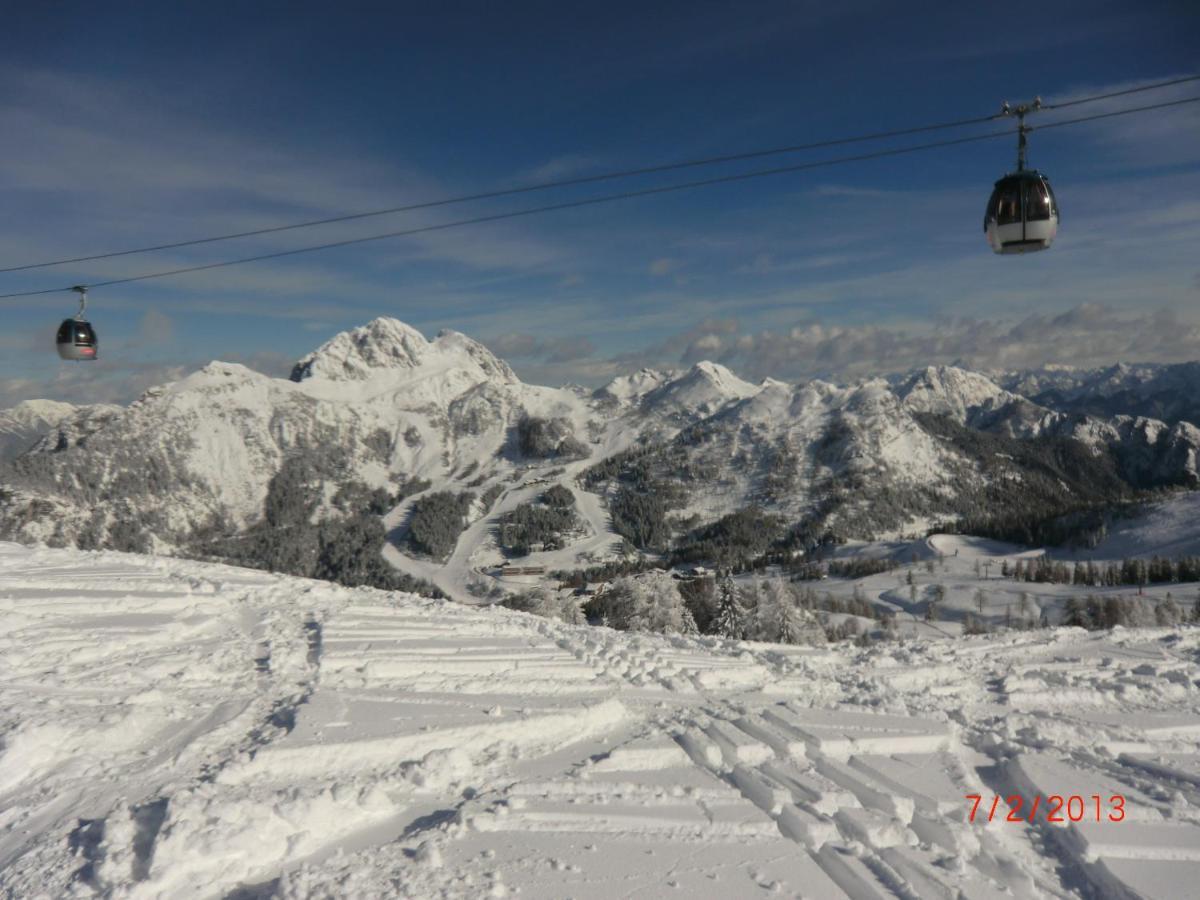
x=128 y=124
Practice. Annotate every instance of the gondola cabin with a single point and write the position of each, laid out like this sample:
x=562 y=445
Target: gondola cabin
x=76 y=339
x=1022 y=214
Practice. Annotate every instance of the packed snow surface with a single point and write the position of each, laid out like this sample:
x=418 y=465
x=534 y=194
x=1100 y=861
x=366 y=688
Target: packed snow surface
x=179 y=729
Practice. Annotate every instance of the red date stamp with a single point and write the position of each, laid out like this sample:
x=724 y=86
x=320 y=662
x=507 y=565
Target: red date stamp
x=1055 y=808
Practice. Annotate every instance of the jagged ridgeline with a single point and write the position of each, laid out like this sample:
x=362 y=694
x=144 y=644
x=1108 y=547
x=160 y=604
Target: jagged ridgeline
x=383 y=434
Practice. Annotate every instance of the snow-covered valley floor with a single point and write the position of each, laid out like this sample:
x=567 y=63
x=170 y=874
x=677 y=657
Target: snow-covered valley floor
x=179 y=729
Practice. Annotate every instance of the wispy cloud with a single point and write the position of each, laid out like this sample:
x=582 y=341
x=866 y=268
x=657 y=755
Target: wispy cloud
x=97 y=164
x=1164 y=137
x=568 y=348
x=1087 y=335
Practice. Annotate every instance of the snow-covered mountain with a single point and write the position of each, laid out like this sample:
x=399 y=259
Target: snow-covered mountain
x=374 y=405
x=383 y=408
x=25 y=423
x=1167 y=392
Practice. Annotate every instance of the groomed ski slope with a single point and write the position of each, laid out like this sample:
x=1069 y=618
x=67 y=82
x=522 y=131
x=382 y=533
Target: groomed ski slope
x=178 y=729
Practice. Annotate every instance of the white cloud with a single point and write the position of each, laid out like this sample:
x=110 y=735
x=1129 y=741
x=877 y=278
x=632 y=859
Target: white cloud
x=1168 y=136
x=1087 y=335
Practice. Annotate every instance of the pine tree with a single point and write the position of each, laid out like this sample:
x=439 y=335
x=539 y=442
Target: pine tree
x=931 y=611
x=730 y=620
x=1075 y=614
x=1166 y=612
x=791 y=622
x=769 y=614
x=570 y=610
x=749 y=598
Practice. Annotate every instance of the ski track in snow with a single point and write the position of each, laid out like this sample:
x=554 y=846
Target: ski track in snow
x=179 y=729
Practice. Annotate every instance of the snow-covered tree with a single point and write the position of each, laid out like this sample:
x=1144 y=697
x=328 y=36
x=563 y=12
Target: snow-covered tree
x=769 y=611
x=549 y=603
x=781 y=617
x=748 y=597
x=647 y=602
x=791 y=618
x=731 y=619
x=935 y=602
x=1166 y=612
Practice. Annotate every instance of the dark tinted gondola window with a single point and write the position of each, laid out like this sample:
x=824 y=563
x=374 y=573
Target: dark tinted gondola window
x=1008 y=203
x=84 y=334
x=1037 y=202
x=1053 y=201
x=64 y=333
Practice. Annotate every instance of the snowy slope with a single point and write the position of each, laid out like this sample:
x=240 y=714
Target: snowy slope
x=174 y=729
x=1170 y=528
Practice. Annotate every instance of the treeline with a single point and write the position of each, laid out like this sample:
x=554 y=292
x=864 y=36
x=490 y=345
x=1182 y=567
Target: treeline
x=740 y=536
x=1135 y=572
x=1099 y=613
x=640 y=516
x=542 y=522
x=859 y=567
x=352 y=496
x=548 y=603
x=549 y=439
x=437 y=520
x=771 y=610
x=644 y=494
x=343 y=549
x=1043 y=490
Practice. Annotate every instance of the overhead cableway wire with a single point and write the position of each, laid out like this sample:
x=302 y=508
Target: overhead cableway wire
x=572 y=182
x=1124 y=93
x=509 y=192
x=607 y=198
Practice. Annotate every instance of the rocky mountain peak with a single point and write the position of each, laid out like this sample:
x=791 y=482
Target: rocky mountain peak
x=493 y=367
x=359 y=353
x=630 y=388
x=706 y=386
x=948 y=390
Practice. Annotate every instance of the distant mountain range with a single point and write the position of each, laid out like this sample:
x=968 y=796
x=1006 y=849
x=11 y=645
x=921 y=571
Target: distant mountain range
x=381 y=408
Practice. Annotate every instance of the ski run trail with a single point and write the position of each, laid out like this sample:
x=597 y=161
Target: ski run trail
x=178 y=729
